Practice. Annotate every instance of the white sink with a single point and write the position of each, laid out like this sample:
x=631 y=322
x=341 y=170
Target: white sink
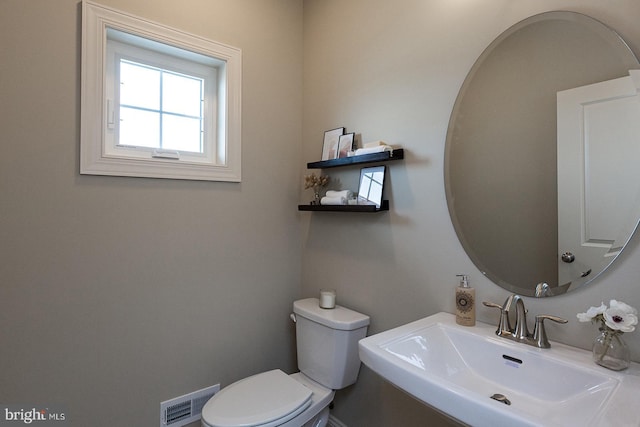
x=458 y=369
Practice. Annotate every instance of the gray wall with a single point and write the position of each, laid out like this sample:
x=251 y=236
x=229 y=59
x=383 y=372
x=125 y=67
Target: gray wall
x=391 y=71
x=118 y=293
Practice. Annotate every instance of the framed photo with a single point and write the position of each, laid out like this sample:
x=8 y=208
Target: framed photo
x=330 y=145
x=371 y=185
x=345 y=144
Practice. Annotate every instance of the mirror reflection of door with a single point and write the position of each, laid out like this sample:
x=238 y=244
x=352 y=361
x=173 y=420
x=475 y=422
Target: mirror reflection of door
x=598 y=152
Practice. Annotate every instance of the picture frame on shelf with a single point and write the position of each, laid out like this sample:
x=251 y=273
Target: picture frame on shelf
x=345 y=144
x=330 y=144
x=371 y=185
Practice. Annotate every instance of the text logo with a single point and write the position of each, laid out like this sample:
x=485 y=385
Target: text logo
x=41 y=416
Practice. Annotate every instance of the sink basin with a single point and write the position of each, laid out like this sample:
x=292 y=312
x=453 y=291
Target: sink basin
x=483 y=380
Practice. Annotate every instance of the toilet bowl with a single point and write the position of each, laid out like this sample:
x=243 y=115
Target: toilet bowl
x=270 y=399
x=327 y=341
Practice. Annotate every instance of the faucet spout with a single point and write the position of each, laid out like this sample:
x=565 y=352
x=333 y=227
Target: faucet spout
x=505 y=324
x=520 y=332
x=542 y=290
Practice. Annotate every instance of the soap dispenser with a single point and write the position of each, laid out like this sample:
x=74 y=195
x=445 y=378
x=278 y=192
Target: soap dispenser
x=465 y=302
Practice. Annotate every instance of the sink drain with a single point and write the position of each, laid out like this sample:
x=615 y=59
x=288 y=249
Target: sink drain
x=501 y=398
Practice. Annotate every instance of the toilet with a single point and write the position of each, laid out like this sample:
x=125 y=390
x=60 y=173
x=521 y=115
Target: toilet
x=327 y=345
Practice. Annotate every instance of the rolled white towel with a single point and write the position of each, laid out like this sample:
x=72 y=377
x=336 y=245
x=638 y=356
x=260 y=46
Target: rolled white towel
x=333 y=200
x=378 y=149
x=347 y=194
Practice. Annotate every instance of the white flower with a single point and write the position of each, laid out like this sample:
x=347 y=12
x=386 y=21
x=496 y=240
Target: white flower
x=620 y=317
x=592 y=313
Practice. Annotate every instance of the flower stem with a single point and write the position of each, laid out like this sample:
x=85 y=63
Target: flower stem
x=607 y=343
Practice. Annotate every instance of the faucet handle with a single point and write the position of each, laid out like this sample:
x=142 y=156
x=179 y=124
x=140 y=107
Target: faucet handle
x=504 y=327
x=550 y=317
x=539 y=332
x=492 y=304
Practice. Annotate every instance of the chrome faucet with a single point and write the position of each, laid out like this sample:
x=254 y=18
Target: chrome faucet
x=542 y=290
x=520 y=332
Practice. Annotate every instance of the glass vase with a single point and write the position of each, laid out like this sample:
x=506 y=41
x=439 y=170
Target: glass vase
x=610 y=350
x=316 y=198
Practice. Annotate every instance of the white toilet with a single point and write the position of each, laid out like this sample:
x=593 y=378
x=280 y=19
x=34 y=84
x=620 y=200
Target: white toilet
x=327 y=343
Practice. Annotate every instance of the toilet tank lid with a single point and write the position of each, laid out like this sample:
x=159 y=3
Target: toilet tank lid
x=339 y=317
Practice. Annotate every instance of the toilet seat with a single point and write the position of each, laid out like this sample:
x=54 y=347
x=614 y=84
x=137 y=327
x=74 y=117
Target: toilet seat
x=265 y=400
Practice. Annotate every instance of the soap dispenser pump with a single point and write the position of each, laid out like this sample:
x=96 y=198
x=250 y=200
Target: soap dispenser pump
x=465 y=302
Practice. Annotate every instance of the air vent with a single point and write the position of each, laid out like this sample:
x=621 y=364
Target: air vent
x=185 y=409
x=177 y=412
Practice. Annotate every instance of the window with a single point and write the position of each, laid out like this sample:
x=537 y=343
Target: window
x=157 y=102
x=159 y=105
x=159 y=109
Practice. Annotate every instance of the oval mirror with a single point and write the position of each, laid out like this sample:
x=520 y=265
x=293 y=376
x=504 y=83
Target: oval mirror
x=538 y=180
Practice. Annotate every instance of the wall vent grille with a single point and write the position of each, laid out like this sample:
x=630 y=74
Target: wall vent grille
x=178 y=412
x=185 y=409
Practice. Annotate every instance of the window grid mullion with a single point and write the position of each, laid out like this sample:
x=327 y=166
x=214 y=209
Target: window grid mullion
x=161 y=107
x=152 y=110
x=201 y=116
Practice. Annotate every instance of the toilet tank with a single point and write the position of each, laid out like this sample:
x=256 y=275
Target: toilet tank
x=327 y=342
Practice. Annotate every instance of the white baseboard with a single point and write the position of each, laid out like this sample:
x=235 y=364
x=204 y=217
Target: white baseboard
x=334 y=422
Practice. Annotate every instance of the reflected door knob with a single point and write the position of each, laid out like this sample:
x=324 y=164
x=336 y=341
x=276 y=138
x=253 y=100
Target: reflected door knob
x=568 y=257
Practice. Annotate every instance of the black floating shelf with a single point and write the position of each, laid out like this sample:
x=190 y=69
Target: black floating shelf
x=385 y=156
x=345 y=208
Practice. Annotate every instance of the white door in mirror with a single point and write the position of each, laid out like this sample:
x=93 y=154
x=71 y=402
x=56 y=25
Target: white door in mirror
x=598 y=127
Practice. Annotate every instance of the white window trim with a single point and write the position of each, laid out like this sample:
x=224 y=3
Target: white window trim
x=93 y=158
